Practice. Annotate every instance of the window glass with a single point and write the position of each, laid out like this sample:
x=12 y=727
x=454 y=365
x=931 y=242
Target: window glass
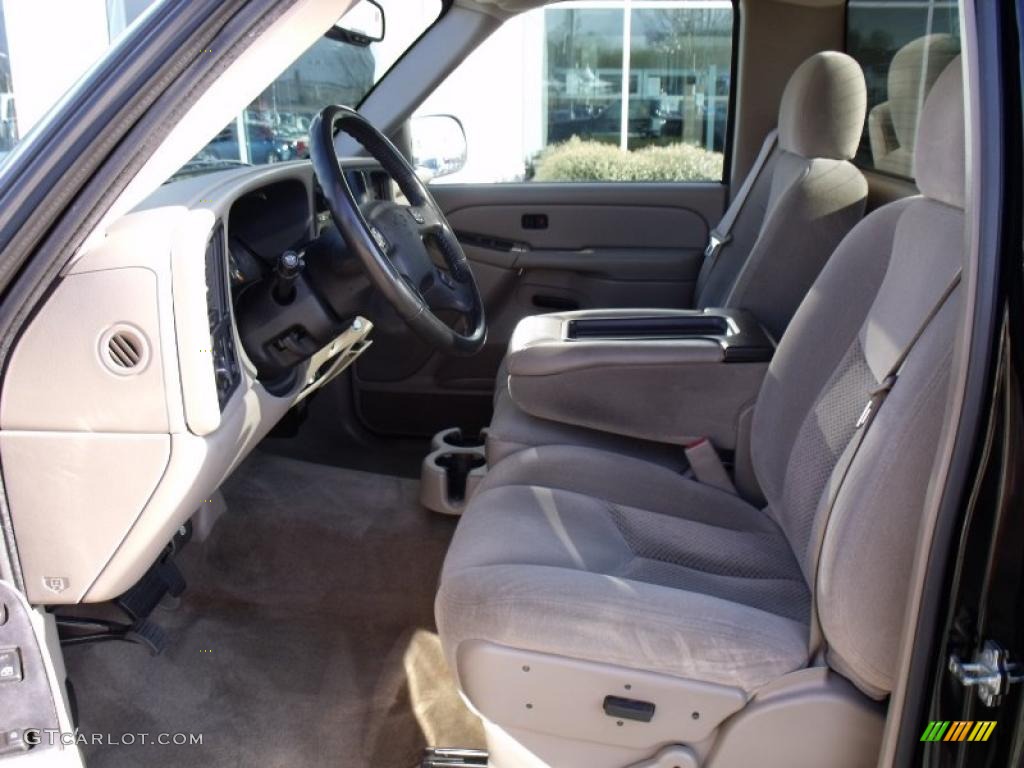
x=903 y=46
x=45 y=47
x=634 y=90
x=335 y=70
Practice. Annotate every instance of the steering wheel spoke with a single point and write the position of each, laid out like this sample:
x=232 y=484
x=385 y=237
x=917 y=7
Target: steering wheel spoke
x=445 y=293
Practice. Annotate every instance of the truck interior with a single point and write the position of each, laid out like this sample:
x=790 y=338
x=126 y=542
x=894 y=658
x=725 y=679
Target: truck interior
x=338 y=457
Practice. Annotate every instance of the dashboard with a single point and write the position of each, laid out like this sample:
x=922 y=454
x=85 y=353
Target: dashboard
x=167 y=351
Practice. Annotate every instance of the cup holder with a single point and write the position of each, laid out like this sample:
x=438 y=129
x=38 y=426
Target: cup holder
x=456 y=438
x=458 y=467
x=452 y=471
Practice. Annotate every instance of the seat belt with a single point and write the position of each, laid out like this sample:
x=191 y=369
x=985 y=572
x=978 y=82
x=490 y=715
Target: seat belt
x=876 y=397
x=722 y=233
x=707 y=466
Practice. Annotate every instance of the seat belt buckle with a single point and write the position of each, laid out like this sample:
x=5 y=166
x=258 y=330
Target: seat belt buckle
x=707 y=466
x=715 y=243
x=876 y=396
x=865 y=415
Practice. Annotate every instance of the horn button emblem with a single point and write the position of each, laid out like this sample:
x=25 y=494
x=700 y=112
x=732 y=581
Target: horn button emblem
x=379 y=239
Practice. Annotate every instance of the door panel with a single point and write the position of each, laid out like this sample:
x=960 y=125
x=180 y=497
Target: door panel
x=538 y=248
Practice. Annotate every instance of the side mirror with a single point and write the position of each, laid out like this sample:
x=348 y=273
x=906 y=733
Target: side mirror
x=438 y=145
x=361 y=25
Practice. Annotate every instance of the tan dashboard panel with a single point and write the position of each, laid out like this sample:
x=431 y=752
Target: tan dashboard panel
x=91 y=360
x=72 y=496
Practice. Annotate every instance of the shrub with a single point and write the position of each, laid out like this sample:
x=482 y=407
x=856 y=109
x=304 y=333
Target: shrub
x=577 y=160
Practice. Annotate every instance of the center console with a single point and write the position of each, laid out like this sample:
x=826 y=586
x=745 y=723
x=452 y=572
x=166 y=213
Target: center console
x=669 y=376
x=664 y=376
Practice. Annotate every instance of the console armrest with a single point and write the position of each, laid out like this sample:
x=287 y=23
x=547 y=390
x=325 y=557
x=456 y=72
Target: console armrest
x=662 y=375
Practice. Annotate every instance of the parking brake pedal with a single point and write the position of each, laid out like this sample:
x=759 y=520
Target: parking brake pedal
x=149 y=634
x=133 y=608
x=76 y=630
x=451 y=757
x=163 y=578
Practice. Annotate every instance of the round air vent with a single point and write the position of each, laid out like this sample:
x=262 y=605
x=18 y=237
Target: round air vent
x=124 y=350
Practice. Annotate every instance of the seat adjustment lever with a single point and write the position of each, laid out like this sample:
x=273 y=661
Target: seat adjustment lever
x=628 y=709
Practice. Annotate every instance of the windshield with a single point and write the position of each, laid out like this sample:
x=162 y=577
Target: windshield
x=275 y=126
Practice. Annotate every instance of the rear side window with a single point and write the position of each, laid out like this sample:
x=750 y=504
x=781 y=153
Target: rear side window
x=903 y=46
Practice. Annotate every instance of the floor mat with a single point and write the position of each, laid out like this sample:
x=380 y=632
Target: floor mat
x=306 y=637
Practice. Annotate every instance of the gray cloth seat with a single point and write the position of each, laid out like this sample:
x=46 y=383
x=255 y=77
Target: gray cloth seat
x=714 y=595
x=599 y=557
x=806 y=198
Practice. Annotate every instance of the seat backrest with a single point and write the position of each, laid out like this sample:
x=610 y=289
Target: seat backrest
x=892 y=125
x=861 y=313
x=805 y=200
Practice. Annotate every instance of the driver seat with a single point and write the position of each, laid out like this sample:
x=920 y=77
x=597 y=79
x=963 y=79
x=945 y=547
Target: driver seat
x=602 y=611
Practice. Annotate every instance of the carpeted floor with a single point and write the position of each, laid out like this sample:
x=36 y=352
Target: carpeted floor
x=306 y=637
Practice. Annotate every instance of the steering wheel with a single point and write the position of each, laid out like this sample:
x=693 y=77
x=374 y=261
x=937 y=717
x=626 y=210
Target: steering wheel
x=394 y=241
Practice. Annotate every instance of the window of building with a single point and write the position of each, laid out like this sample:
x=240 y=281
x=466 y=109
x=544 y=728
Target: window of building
x=627 y=90
x=903 y=46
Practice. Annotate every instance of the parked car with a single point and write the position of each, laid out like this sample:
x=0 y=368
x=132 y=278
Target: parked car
x=646 y=119
x=263 y=144
x=674 y=124
x=295 y=141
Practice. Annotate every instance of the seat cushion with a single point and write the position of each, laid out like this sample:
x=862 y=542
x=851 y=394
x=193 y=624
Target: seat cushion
x=513 y=429
x=616 y=560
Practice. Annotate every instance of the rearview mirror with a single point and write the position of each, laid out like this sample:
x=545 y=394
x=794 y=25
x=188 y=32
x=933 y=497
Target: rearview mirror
x=362 y=24
x=438 y=145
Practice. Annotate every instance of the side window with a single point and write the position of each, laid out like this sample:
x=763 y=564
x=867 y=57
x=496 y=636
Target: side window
x=903 y=46
x=592 y=91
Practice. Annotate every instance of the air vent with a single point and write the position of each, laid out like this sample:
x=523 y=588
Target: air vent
x=124 y=350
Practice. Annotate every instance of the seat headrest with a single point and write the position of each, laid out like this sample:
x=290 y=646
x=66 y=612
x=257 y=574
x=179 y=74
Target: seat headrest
x=940 y=149
x=823 y=107
x=916 y=66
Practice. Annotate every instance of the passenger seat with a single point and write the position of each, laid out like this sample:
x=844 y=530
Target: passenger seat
x=796 y=205
x=578 y=577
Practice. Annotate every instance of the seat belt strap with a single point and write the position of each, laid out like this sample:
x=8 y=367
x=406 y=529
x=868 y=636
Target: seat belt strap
x=876 y=397
x=722 y=233
x=707 y=466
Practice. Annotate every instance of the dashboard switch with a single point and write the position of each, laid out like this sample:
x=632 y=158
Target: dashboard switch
x=10 y=665
x=13 y=741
